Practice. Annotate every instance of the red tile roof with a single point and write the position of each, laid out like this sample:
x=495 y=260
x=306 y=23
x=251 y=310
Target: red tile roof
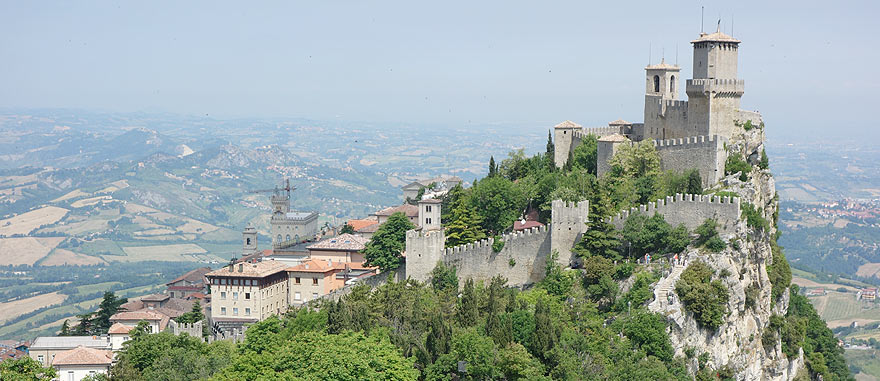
x=119 y=328
x=407 y=209
x=519 y=225
x=360 y=224
x=194 y=276
x=83 y=356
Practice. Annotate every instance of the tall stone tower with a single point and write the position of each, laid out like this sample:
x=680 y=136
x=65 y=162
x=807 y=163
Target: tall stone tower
x=714 y=93
x=280 y=203
x=429 y=214
x=663 y=117
x=249 y=240
x=564 y=140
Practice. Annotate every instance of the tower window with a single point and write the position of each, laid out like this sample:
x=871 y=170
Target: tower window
x=279 y=238
x=656 y=83
x=672 y=84
x=288 y=237
x=248 y=241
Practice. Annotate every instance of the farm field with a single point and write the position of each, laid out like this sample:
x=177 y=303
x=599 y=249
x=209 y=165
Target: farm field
x=61 y=257
x=13 y=309
x=866 y=361
x=26 y=222
x=185 y=252
x=26 y=250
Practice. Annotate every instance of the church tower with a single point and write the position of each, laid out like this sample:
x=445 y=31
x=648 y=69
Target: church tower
x=249 y=240
x=714 y=93
x=661 y=87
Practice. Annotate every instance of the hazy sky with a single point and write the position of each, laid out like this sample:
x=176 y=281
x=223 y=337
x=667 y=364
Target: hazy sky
x=808 y=65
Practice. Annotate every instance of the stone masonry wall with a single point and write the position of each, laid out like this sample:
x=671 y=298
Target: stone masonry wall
x=705 y=153
x=690 y=210
x=522 y=260
x=569 y=223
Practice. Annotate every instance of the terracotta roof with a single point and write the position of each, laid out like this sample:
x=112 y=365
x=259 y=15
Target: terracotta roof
x=149 y=315
x=132 y=305
x=197 y=295
x=519 y=225
x=10 y=353
x=347 y=242
x=615 y=138
x=322 y=266
x=155 y=298
x=250 y=270
x=119 y=329
x=194 y=276
x=407 y=209
x=718 y=36
x=568 y=124
x=619 y=122
x=359 y=224
x=83 y=356
x=369 y=228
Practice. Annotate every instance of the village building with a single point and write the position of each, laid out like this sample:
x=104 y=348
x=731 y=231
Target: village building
x=119 y=334
x=315 y=278
x=244 y=293
x=187 y=284
x=437 y=186
x=80 y=362
x=157 y=321
x=410 y=211
x=46 y=348
x=342 y=248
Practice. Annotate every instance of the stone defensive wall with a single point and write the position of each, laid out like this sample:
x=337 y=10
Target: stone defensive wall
x=704 y=153
x=522 y=260
x=690 y=210
x=598 y=131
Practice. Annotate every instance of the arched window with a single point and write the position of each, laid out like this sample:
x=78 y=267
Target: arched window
x=288 y=237
x=248 y=242
x=672 y=84
x=656 y=83
x=296 y=237
x=279 y=238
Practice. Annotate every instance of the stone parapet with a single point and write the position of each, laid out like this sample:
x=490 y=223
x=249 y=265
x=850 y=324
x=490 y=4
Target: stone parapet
x=690 y=210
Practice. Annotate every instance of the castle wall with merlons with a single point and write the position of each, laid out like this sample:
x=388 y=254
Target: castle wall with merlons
x=690 y=210
x=569 y=223
x=704 y=153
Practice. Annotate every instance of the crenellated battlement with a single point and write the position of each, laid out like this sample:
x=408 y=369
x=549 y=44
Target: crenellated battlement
x=598 y=131
x=691 y=141
x=688 y=209
x=488 y=242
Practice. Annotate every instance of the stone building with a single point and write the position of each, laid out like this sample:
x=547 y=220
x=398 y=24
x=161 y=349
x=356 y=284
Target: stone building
x=688 y=134
x=342 y=248
x=438 y=185
x=247 y=292
x=157 y=321
x=190 y=283
x=318 y=277
x=289 y=227
x=410 y=211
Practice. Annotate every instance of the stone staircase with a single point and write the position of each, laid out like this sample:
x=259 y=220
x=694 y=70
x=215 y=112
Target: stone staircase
x=664 y=288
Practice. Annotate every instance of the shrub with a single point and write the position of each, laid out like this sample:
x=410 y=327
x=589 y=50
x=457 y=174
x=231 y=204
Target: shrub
x=748 y=126
x=702 y=296
x=707 y=236
x=753 y=216
x=752 y=293
x=735 y=164
x=715 y=244
x=765 y=161
x=498 y=245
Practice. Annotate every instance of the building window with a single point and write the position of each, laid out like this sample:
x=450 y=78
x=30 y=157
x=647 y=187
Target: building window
x=428 y=221
x=222 y=310
x=234 y=296
x=672 y=84
x=297 y=296
x=247 y=296
x=40 y=359
x=223 y=295
x=70 y=375
x=656 y=83
x=247 y=312
x=314 y=281
x=314 y=295
x=248 y=242
x=427 y=208
x=235 y=311
x=296 y=280
x=288 y=237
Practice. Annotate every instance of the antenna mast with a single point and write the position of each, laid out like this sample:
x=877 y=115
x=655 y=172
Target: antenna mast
x=702 y=16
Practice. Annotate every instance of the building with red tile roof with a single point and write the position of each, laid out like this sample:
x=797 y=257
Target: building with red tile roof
x=77 y=363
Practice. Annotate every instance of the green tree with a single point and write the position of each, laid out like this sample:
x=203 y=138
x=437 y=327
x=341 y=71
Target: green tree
x=765 y=161
x=707 y=236
x=584 y=156
x=65 y=329
x=465 y=226
x=734 y=164
x=694 y=182
x=444 y=278
x=704 y=297
x=108 y=307
x=549 y=154
x=493 y=169
x=468 y=308
x=318 y=356
x=26 y=369
x=499 y=202
x=647 y=331
x=385 y=247
x=546 y=334
x=637 y=160
x=347 y=229
x=194 y=315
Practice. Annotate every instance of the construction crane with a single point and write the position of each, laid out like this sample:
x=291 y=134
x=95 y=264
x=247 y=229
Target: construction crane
x=277 y=190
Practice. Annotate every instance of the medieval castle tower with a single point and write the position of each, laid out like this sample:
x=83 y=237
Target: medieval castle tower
x=687 y=134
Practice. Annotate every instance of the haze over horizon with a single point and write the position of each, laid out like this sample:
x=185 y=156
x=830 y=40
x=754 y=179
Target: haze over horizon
x=808 y=69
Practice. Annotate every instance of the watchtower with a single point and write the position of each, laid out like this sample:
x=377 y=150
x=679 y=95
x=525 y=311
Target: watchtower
x=661 y=87
x=564 y=140
x=429 y=214
x=714 y=93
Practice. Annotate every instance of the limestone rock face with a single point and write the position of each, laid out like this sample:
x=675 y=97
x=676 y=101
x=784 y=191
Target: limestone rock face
x=737 y=343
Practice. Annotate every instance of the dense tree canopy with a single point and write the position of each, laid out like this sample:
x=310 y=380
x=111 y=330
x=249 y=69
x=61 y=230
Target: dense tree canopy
x=385 y=247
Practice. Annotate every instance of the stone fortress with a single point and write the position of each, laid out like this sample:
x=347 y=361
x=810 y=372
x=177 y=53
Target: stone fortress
x=687 y=135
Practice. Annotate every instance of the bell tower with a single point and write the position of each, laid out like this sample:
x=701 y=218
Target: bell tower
x=661 y=86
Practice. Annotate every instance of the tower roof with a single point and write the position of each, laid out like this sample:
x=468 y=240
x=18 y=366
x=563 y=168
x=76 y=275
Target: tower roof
x=568 y=124
x=663 y=66
x=718 y=36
